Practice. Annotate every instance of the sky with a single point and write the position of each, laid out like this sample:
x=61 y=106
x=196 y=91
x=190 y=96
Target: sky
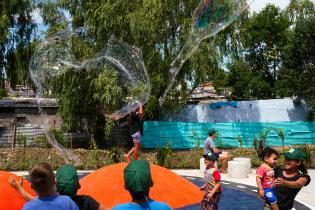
x=258 y=5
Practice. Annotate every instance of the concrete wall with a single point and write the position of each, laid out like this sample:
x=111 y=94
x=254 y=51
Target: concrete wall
x=276 y=110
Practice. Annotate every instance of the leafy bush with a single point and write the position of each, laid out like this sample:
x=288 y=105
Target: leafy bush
x=115 y=155
x=40 y=140
x=162 y=154
x=309 y=152
x=3 y=93
x=260 y=143
x=58 y=136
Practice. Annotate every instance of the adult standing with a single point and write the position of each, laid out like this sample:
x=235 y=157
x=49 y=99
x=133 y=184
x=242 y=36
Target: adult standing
x=209 y=146
x=291 y=179
x=134 y=123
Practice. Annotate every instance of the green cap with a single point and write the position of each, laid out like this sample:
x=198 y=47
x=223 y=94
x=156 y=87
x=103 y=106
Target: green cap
x=211 y=131
x=137 y=176
x=296 y=154
x=67 y=180
x=210 y=156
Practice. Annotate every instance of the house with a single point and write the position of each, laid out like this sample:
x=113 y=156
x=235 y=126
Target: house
x=22 y=116
x=206 y=93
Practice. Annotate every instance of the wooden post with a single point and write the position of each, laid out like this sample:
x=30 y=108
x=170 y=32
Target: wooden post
x=71 y=140
x=14 y=132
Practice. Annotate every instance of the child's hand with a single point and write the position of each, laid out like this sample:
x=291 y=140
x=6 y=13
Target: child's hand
x=262 y=193
x=279 y=181
x=16 y=184
x=210 y=195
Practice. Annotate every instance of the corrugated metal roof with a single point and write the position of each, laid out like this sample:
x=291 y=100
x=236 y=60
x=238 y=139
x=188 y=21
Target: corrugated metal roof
x=28 y=102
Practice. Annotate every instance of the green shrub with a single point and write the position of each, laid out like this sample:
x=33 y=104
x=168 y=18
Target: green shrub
x=3 y=93
x=41 y=140
x=162 y=154
x=115 y=155
x=309 y=152
x=21 y=140
x=58 y=136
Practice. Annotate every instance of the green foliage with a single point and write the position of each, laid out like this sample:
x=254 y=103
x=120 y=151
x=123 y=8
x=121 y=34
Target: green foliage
x=158 y=31
x=219 y=140
x=15 y=47
x=163 y=153
x=309 y=152
x=58 y=136
x=21 y=140
x=41 y=140
x=3 y=93
x=198 y=138
x=115 y=155
x=246 y=84
x=239 y=138
x=298 y=71
x=260 y=143
x=109 y=125
x=83 y=96
x=92 y=144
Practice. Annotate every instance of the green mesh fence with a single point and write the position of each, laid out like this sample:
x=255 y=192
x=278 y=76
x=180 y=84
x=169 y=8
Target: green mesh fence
x=184 y=135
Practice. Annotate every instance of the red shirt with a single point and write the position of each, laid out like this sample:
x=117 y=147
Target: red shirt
x=212 y=176
x=267 y=176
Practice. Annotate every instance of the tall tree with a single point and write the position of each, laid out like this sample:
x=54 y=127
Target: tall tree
x=159 y=29
x=16 y=28
x=266 y=36
x=298 y=72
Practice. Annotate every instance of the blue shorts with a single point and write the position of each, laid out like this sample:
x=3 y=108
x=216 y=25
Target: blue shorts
x=270 y=196
x=218 y=154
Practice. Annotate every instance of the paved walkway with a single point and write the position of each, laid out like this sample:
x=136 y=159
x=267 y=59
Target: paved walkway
x=305 y=196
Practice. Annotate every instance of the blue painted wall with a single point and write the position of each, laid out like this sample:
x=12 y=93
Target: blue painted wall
x=183 y=135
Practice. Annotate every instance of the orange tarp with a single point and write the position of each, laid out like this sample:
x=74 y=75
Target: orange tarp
x=106 y=185
x=10 y=199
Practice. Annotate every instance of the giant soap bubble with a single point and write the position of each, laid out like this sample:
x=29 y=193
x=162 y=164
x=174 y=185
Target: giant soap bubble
x=210 y=17
x=55 y=56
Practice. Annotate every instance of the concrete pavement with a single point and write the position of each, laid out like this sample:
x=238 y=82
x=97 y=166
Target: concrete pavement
x=305 y=196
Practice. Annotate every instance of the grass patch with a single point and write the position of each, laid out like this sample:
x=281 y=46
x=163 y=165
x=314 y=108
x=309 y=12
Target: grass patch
x=92 y=159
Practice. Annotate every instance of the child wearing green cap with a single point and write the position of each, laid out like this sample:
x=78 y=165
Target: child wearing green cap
x=212 y=185
x=291 y=179
x=138 y=181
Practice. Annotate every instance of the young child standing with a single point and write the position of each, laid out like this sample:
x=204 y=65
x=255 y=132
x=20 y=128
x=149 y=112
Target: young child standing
x=212 y=185
x=265 y=176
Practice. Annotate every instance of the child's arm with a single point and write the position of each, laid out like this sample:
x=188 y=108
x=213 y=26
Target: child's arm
x=260 y=188
x=216 y=187
x=140 y=112
x=292 y=184
x=18 y=186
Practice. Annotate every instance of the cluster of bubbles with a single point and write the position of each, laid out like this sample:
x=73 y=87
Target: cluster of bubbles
x=55 y=56
x=210 y=17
